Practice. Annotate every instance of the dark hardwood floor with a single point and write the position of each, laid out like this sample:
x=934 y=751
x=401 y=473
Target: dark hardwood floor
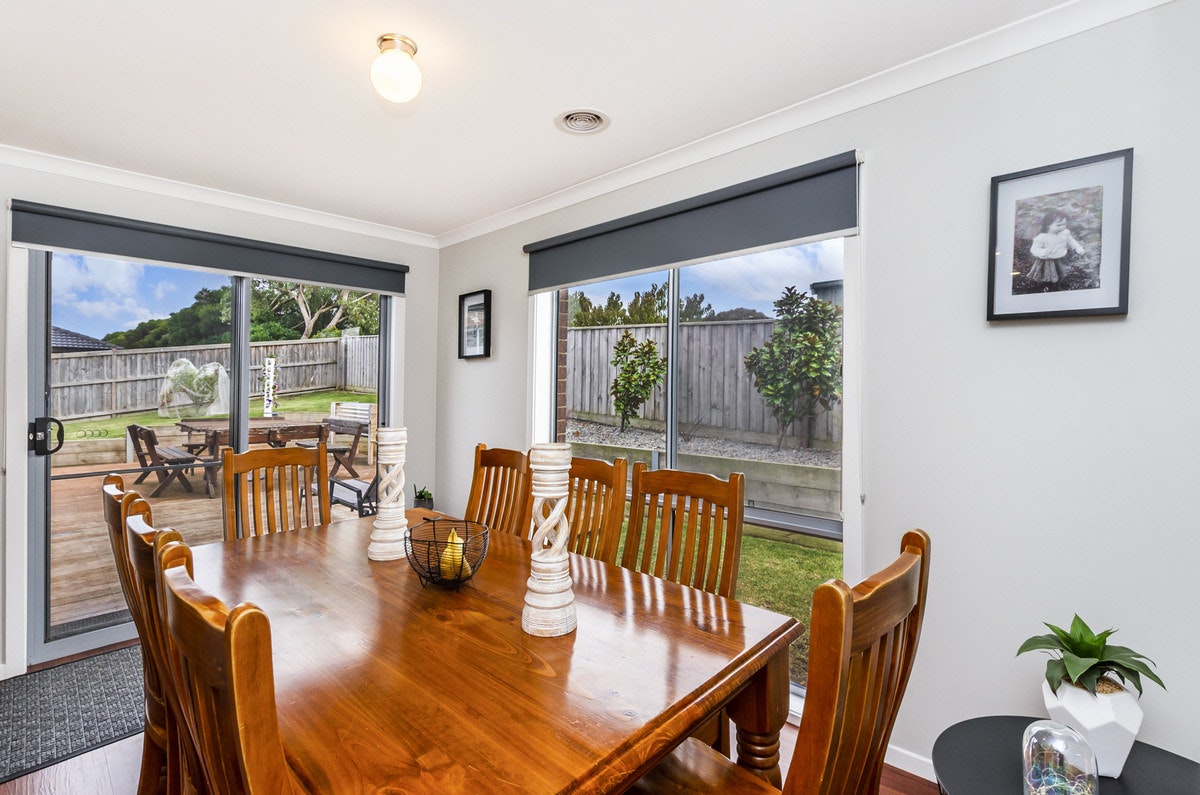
x=113 y=770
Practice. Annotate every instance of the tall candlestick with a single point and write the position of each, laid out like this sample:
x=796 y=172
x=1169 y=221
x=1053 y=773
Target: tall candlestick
x=549 y=601
x=387 y=537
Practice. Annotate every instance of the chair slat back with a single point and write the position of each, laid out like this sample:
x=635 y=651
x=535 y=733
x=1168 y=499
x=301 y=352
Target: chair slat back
x=686 y=527
x=596 y=507
x=119 y=506
x=863 y=641
x=142 y=540
x=500 y=495
x=274 y=490
x=220 y=663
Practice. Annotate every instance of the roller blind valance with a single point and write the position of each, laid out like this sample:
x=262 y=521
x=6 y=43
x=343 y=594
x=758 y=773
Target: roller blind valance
x=60 y=227
x=813 y=199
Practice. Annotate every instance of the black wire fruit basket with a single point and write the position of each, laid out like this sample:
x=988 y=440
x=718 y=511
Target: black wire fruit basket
x=446 y=552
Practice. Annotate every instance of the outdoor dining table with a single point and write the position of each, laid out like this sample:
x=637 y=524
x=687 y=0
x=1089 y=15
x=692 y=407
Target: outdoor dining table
x=216 y=436
x=383 y=684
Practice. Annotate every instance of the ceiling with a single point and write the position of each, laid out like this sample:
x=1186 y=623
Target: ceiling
x=271 y=98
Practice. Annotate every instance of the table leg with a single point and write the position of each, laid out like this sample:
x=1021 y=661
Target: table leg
x=759 y=712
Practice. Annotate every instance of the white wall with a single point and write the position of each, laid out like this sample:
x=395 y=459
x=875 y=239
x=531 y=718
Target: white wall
x=49 y=181
x=1052 y=462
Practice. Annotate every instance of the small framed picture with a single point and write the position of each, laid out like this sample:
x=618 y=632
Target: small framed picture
x=475 y=324
x=1059 y=244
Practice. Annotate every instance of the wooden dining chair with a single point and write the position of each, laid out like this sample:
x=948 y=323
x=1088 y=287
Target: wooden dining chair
x=862 y=643
x=500 y=496
x=596 y=507
x=687 y=527
x=274 y=490
x=142 y=541
x=155 y=743
x=220 y=664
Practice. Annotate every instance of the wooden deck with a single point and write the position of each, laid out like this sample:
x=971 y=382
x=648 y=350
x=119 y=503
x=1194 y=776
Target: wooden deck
x=83 y=577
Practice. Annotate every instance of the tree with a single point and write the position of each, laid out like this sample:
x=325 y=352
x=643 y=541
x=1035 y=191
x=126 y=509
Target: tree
x=739 y=313
x=648 y=307
x=639 y=370
x=799 y=369
x=582 y=312
x=693 y=309
x=309 y=309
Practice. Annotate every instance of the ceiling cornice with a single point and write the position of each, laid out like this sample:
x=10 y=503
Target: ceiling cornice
x=107 y=175
x=1056 y=24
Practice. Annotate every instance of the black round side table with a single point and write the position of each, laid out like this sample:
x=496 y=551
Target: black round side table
x=982 y=756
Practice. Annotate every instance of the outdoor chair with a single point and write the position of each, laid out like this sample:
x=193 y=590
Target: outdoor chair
x=358 y=412
x=167 y=463
x=220 y=665
x=355 y=493
x=862 y=643
x=500 y=496
x=344 y=450
x=274 y=490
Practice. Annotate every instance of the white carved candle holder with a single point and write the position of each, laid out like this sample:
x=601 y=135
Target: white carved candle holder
x=549 y=601
x=391 y=525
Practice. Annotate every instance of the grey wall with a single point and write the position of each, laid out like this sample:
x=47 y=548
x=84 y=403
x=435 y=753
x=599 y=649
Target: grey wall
x=1059 y=472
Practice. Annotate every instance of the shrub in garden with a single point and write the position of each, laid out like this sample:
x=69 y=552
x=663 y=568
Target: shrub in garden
x=639 y=370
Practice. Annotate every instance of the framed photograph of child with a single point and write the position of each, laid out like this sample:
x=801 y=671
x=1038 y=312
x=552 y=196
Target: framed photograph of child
x=1059 y=243
x=475 y=325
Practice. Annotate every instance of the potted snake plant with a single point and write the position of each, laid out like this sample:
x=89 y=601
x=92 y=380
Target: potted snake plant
x=1086 y=687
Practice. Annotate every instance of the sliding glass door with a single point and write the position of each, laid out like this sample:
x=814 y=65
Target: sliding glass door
x=138 y=369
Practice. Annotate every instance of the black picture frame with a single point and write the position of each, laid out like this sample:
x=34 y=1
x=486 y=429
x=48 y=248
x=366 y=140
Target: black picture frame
x=1059 y=242
x=475 y=325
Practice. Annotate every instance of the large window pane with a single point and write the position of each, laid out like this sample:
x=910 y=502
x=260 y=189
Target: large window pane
x=757 y=383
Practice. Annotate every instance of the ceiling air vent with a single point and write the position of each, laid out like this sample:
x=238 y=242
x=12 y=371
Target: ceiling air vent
x=581 y=122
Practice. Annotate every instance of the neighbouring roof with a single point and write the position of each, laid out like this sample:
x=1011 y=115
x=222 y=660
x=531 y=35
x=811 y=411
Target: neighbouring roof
x=64 y=341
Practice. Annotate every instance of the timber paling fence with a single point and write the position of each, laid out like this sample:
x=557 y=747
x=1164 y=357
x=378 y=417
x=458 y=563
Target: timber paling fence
x=103 y=383
x=717 y=397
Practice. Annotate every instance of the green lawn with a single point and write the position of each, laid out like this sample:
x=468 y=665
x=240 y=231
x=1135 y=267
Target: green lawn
x=305 y=403
x=779 y=571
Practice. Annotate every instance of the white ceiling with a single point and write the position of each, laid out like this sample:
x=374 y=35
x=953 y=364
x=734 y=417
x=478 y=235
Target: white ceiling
x=271 y=98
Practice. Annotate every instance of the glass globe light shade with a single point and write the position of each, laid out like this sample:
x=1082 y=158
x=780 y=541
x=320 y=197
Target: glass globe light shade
x=396 y=75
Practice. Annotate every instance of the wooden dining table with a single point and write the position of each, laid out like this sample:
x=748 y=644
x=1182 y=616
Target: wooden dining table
x=384 y=685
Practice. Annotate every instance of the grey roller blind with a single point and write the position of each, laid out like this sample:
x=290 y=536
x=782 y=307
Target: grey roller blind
x=808 y=200
x=60 y=227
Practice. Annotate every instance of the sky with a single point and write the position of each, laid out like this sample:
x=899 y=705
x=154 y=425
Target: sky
x=754 y=280
x=96 y=296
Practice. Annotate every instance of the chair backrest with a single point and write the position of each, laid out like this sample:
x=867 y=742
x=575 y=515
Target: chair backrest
x=862 y=643
x=686 y=527
x=274 y=490
x=141 y=542
x=119 y=506
x=135 y=440
x=220 y=664
x=357 y=412
x=596 y=507
x=500 y=491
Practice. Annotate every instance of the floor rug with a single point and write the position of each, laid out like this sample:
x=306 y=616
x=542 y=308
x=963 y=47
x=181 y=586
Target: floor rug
x=52 y=715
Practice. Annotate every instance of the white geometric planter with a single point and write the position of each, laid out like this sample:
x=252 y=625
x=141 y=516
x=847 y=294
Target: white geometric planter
x=1108 y=721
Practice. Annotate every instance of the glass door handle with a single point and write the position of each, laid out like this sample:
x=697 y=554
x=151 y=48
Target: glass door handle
x=40 y=436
